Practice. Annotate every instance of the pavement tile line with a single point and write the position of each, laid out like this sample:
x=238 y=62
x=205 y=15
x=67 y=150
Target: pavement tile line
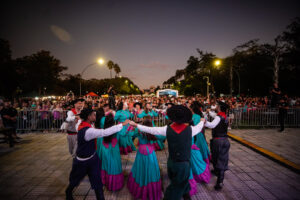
x=277 y=158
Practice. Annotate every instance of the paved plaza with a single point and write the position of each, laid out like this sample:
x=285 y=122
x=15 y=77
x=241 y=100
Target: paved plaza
x=38 y=168
x=285 y=144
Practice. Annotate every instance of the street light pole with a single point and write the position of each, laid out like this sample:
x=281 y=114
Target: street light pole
x=81 y=74
x=207 y=85
x=100 y=61
x=238 y=75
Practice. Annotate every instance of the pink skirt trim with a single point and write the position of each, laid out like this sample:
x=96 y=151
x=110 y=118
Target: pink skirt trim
x=193 y=185
x=112 y=182
x=150 y=191
x=204 y=177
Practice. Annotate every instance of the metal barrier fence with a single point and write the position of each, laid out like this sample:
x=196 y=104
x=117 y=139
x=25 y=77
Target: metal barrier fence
x=28 y=121
x=263 y=118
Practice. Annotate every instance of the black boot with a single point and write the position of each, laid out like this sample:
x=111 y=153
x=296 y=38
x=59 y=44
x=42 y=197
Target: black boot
x=186 y=196
x=69 y=195
x=99 y=194
x=214 y=172
x=219 y=185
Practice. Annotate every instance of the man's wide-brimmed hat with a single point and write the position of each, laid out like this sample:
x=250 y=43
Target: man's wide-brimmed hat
x=179 y=114
x=223 y=106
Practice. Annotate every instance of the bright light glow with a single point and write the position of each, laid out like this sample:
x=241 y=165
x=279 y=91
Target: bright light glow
x=100 y=61
x=217 y=62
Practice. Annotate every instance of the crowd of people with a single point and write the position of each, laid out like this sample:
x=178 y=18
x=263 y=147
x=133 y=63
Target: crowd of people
x=42 y=114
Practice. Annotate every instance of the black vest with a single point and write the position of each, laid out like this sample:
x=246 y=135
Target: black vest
x=85 y=148
x=179 y=145
x=221 y=129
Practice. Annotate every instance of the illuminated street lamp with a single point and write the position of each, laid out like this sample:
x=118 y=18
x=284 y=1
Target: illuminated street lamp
x=217 y=62
x=100 y=61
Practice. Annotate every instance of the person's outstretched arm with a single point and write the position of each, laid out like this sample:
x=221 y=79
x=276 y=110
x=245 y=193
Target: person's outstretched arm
x=214 y=123
x=197 y=129
x=151 y=130
x=93 y=133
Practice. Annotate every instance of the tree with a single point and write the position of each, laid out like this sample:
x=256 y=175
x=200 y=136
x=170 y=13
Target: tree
x=110 y=66
x=290 y=70
x=276 y=52
x=117 y=69
x=8 y=83
x=38 y=72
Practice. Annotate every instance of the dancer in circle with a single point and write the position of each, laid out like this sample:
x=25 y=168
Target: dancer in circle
x=86 y=162
x=111 y=169
x=144 y=179
x=125 y=135
x=158 y=144
x=199 y=139
x=179 y=136
x=219 y=144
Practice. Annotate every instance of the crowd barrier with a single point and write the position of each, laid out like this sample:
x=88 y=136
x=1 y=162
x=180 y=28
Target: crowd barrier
x=263 y=118
x=28 y=121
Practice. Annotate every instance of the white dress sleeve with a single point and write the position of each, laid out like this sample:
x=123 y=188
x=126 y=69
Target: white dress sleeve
x=214 y=123
x=93 y=133
x=197 y=129
x=153 y=130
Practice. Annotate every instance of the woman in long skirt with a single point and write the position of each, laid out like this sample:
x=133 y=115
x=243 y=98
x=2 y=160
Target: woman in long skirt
x=111 y=167
x=200 y=140
x=144 y=179
x=125 y=135
x=158 y=144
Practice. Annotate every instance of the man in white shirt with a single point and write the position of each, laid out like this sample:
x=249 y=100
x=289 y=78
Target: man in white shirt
x=72 y=119
x=219 y=144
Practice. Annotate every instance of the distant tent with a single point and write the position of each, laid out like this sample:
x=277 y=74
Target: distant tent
x=167 y=92
x=92 y=94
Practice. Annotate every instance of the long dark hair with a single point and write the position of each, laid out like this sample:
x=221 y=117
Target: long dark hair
x=196 y=107
x=120 y=106
x=109 y=122
x=146 y=109
x=99 y=115
x=148 y=122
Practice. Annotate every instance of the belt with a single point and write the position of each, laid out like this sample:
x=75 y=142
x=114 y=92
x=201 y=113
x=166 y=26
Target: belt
x=85 y=159
x=220 y=137
x=71 y=133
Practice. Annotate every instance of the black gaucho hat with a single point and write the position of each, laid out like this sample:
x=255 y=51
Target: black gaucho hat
x=179 y=114
x=223 y=106
x=138 y=103
x=84 y=114
x=77 y=100
x=171 y=104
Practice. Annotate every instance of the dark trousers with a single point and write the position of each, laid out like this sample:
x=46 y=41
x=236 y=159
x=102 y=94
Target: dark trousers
x=91 y=168
x=111 y=102
x=281 y=118
x=178 y=173
x=220 y=155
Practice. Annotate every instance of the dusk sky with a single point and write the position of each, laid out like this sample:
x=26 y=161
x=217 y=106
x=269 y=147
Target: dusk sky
x=150 y=40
